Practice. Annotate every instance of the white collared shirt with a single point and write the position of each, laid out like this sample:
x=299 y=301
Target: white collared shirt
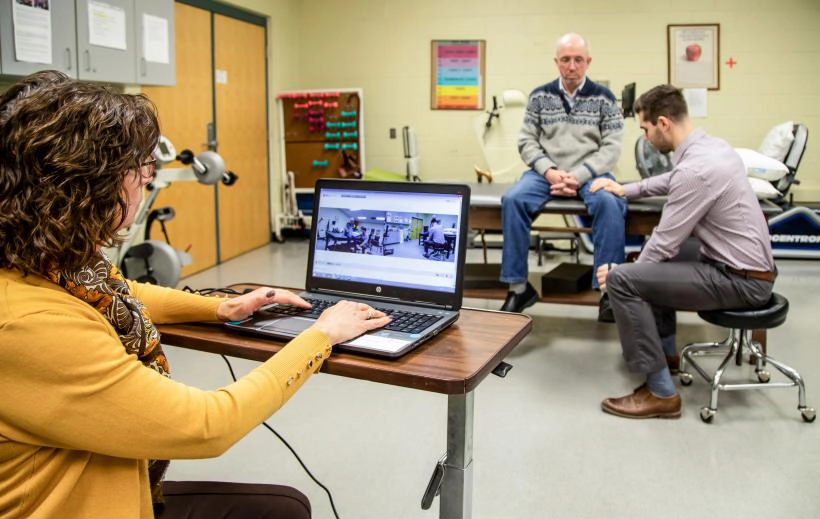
x=571 y=97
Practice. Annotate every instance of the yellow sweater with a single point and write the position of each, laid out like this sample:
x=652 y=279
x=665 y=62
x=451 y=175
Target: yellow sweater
x=79 y=416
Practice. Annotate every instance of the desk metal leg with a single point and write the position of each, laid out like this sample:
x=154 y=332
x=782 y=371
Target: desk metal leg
x=457 y=485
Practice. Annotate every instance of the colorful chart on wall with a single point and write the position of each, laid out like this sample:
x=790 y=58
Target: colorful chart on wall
x=457 y=75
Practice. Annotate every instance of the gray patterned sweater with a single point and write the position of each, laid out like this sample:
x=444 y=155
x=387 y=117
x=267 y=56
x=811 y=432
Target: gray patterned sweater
x=584 y=139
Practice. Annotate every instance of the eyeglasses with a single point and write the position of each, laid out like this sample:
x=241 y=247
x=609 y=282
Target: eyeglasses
x=148 y=169
x=578 y=60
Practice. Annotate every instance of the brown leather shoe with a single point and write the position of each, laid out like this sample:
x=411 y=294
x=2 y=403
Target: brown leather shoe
x=643 y=404
x=673 y=361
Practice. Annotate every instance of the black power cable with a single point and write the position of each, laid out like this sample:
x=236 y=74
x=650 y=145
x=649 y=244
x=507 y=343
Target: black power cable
x=268 y=427
x=231 y=291
x=209 y=291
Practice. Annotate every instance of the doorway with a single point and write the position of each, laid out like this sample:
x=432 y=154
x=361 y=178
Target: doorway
x=219 y=103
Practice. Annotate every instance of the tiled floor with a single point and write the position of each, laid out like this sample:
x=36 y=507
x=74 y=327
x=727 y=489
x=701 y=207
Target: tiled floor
x=542 y=447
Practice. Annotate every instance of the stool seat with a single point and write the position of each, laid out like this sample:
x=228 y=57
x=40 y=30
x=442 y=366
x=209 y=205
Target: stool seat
x=770 y=315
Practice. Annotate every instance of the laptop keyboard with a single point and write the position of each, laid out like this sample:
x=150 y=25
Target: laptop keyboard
x=403 y=321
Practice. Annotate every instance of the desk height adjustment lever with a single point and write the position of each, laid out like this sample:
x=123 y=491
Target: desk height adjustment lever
x=434 y=485
x=502 y=369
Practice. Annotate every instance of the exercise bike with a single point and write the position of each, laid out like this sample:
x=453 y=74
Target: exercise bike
x=156 y=261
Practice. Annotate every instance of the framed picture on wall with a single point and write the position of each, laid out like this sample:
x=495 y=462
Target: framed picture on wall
x=457 y=74
x=694 y=55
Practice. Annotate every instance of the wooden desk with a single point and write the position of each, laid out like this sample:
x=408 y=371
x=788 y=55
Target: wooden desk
x=453 y=363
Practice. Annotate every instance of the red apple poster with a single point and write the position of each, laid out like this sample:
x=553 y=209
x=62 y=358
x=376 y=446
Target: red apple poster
x=693 y=56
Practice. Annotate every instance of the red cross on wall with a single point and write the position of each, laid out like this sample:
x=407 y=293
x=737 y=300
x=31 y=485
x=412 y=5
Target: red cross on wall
x=731 y=62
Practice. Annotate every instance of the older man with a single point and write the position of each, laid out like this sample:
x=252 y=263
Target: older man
x=571 y=134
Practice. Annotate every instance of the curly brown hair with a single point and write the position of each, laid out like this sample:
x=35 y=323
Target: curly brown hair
x=65 y=148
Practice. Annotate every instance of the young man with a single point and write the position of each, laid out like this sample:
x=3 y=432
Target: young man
x=571 y=134
x=435 y=236
x=709 y=197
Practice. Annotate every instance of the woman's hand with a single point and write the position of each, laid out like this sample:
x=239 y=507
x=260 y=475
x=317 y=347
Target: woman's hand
x=341 y=322
x=346 y=320
x=241 y=307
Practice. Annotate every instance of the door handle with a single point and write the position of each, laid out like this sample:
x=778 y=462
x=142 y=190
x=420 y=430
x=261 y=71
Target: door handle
x=211 y=137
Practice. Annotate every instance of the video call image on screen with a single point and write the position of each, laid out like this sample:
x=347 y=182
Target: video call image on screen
x=383 y=237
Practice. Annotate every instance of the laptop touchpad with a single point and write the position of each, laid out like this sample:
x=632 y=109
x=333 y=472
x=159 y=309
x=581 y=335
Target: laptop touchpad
x=288 y=324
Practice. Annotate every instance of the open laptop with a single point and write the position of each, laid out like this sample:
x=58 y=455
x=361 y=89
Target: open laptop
x=397 y=246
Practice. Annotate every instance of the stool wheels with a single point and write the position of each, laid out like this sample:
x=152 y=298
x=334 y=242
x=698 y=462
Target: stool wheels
x=763 y=376
x=707 y=414
x=685 y=378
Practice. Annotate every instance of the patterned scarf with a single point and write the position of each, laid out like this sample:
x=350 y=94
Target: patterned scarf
x=103 y=286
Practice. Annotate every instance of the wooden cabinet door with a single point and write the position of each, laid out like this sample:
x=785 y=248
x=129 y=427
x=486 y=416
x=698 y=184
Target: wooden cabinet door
x=228 y=90
x=185 y=110
x=241 y=130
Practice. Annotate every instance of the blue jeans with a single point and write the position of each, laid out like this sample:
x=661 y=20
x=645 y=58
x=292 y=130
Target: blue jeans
x=521 y=204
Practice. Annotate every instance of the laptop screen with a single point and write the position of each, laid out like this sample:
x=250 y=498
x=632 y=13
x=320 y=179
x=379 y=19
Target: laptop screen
x=388 y=239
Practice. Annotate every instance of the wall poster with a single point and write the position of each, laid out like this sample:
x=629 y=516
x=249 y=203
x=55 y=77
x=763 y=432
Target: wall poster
x=457 y=74
x=694 y=55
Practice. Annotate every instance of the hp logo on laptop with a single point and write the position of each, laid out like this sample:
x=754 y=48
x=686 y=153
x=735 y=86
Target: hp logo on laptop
x=378 y=290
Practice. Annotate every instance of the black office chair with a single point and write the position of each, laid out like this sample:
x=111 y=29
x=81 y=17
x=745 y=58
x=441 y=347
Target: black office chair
x=423 y=235
x=649 y=160
x=439 y=251
x=375 y=246
x=739 y=342
x=792 y=160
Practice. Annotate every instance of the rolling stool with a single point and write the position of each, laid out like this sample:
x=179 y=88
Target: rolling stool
x=740 y=324
x=439 y=251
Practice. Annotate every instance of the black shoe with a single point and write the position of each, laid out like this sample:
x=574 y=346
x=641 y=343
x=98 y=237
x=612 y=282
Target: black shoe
x=605 y=314
x=518 y=302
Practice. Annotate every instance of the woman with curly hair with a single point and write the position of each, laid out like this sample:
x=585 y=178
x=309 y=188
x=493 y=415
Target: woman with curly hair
x=88 y=413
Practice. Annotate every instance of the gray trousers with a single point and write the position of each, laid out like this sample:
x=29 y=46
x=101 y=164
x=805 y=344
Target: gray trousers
x=644 y=297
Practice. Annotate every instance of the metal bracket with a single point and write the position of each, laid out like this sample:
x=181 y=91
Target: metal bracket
x=502 y=369
x=434 y=485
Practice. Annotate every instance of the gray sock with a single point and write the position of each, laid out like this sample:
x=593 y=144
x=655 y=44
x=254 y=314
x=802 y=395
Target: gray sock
x=660 y=383
x=518 y=288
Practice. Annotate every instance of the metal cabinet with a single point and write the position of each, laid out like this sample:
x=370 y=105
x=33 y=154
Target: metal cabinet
x=105 y=41
x=156 y=56
x=115 y=41
x=61 y=19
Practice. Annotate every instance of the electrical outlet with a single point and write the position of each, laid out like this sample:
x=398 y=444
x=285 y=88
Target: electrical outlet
x=392 y=133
